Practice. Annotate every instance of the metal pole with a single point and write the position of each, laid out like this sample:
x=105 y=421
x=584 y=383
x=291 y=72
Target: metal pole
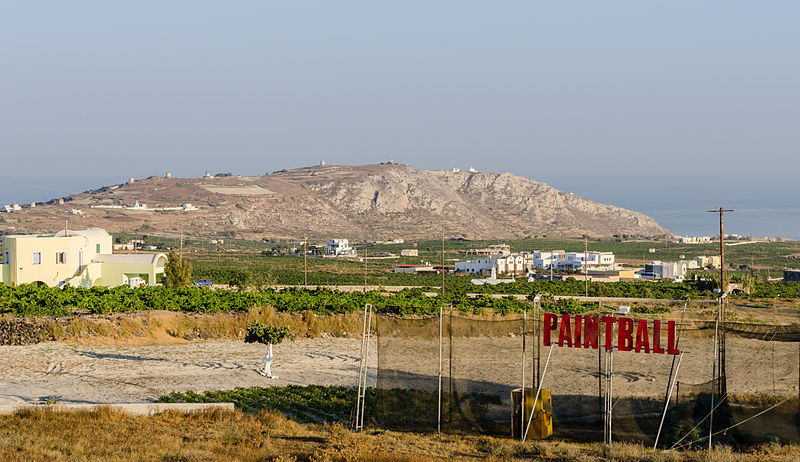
x=439 y=412
x=365 y=268
x=442 y=265
x=538 y=390
x=586 y=264
x=610 y=393
x=366 y=357
x=713 y=383
x=522 y=398
x=361 y=369
x=305 y=262
x=666 y=403
x=677 y=342
x=599 y=360
x=450 y=363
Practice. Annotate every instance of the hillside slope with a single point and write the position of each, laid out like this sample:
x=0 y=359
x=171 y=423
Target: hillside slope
x=357 y=202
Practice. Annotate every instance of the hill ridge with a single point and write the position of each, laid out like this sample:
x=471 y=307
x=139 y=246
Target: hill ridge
x=375 y=201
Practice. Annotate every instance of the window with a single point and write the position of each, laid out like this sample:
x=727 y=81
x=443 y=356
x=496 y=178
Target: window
x=61 y=258
x=37 y=258
x=97 y=247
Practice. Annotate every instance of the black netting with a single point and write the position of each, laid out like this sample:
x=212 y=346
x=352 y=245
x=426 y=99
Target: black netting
x=755 y=395
x=407 y=395
x=484 y=365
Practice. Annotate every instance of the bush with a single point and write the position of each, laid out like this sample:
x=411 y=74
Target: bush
x=264 y=333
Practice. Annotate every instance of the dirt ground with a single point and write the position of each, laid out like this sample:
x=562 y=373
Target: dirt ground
x=109 y=373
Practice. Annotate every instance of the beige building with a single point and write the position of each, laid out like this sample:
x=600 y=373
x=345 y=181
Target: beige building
x=78 y=258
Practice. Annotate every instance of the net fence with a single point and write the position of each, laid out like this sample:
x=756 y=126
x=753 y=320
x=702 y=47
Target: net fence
x=480 y=365
x=479 y=362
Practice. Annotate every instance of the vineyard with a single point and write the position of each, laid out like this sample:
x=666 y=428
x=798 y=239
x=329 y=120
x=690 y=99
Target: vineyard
x=28 y=300
x=306 y=404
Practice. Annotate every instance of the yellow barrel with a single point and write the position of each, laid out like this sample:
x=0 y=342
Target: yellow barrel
x=542 y=422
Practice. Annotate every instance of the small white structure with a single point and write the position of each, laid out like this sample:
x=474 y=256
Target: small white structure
x=267 y=370
x=491 y=280
x=75 y=212
x=409 y=253
x=694 y=239
x=168 y=175
x=339 y=247
x=414 y=269
x=188 y=207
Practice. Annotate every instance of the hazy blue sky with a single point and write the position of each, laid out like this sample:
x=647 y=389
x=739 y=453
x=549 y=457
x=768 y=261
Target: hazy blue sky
x=664 y=107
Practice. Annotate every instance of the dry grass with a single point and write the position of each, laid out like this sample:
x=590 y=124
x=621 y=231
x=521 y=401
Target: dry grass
x=232 y=436
x=169 y=327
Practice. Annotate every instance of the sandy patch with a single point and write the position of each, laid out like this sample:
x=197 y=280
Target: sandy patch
x=111 y=373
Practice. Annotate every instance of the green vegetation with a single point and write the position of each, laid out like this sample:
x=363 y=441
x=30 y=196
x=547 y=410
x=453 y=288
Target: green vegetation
x=264 y=333
x=177 y=272
x=28 y=300
x=312 y=403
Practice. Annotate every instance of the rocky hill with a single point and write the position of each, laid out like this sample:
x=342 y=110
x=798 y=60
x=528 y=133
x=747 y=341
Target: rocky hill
x=358 y=202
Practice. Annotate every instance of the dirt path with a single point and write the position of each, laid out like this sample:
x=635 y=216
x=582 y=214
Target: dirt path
x=105 y=374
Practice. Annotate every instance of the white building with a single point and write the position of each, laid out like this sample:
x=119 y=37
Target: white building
x=545 y=259
x=579 y=260
x=339 y=247
x=511 y=264
x=477 y=265
x=694 y=239
x=80 y=258
x=409 y=253
x=672 y=270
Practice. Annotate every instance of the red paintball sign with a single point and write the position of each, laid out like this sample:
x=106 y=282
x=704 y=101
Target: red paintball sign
x=577 y=331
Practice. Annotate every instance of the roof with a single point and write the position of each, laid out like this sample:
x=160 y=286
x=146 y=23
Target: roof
x=92 y=232
x=136 y=258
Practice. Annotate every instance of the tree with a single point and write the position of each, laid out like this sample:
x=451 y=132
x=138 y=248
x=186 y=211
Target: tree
x=240 y=279
x=266 y=334
x=177 y=272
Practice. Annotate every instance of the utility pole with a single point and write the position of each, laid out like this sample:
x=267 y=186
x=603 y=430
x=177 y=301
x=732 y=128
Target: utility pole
x=443 y=265
x=721 y=212
x=365 y=268
x=181 y=245
x=586 y=264
x=305 y=262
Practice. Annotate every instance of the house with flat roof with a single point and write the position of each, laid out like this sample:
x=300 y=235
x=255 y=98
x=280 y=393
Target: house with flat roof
x=82 y=258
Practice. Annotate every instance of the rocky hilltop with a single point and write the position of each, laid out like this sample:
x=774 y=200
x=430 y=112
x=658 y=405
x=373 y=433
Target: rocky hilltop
x=358 y=202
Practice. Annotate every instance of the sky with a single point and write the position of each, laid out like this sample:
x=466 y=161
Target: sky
x=666 y=108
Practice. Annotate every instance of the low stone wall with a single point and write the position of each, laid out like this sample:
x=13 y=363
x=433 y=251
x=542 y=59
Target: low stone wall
x=22 y=331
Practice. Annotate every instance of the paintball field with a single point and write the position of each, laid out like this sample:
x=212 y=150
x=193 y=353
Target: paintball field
x=111 y=373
